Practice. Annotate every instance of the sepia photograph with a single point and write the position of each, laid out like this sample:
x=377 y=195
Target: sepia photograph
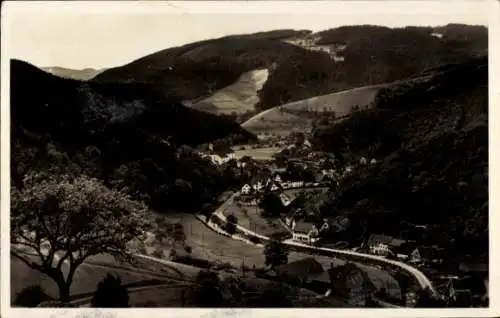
x=224 y=154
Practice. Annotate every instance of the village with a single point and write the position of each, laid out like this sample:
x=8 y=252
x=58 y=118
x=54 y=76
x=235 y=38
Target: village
x=283 y=202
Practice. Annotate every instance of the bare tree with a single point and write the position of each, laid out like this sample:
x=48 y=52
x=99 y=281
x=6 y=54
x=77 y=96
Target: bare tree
x=57 y=223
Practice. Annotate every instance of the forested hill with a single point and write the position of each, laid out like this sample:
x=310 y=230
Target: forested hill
x=123 y=134
x=371 y=55
x=431 y=139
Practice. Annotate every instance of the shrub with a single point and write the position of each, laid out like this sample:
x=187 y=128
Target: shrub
x=255 y=240
x=231 y=224
x=207 y=292
x=110 y=293
x=31 y=296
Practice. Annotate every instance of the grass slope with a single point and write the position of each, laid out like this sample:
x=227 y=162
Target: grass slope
x=299 y=115
x=237 y=98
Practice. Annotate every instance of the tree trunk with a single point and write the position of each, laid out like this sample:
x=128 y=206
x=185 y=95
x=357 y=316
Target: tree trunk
x=64 y=292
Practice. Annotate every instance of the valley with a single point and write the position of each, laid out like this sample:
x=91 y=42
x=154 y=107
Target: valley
x=257 y=170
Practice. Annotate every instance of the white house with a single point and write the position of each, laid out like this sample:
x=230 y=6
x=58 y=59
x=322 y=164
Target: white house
x=246 y=189
x=325 y=226
x=278 y=178
x=258 y=186
x=363 y=161
x=338 y=58
x=305 y=232
x=274 y=187
x=285 y=199
x=381 y=244
x=373 y=161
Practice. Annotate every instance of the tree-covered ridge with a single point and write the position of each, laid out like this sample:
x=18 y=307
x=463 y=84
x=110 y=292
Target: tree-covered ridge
x=373 y=54
x=126 y=135
x=432 y=141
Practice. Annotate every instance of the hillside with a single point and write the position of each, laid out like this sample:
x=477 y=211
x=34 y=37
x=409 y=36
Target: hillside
x=372 y=55
x=299 y=116
x=237 y=98
x=83 y=75
x=431 y=139
x=120 y=133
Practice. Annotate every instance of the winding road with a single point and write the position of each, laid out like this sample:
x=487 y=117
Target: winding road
x=419 y=277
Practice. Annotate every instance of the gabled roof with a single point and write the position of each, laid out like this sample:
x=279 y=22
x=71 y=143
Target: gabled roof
x=375 y=239
x=303 y=227
x=306 y=267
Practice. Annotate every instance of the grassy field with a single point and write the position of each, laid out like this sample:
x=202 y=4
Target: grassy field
x=239 y=97
x=283 y=119
x=164 y=296
x=223 y=249
x=205 y=244
x=249 y=218
x=209 y=245
x=85 y=280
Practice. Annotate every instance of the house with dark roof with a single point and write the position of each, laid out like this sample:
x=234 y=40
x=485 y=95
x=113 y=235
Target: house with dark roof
x=305 y=232
x=273 y=185
x=403 y=251
x=426 y=255
x=380 y=244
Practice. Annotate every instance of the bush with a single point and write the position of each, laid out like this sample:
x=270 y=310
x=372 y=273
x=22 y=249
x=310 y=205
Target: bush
x=31 y=296
x=207 y=291
x=255 y=240
x=110 y=293
x=231 y=224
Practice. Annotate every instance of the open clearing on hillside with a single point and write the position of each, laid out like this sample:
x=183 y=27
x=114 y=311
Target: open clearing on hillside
x=293 y=116
x=239 y=97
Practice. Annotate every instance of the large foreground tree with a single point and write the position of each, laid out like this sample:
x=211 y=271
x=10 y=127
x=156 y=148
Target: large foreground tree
x=57 y=223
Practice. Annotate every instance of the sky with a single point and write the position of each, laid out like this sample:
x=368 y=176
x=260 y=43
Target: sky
x=107 y=34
